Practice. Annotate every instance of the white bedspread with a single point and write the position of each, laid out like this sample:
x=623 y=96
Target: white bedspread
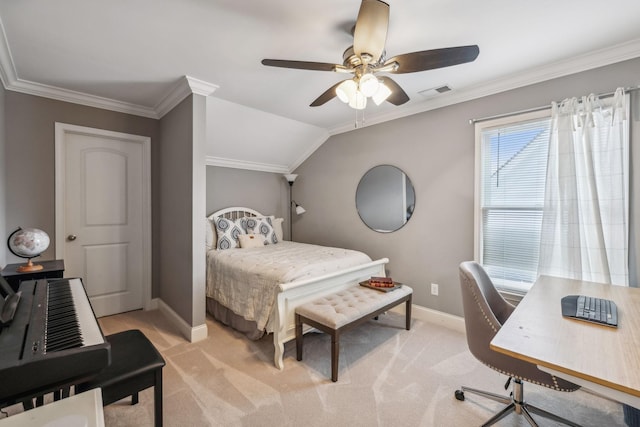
x=245 y=280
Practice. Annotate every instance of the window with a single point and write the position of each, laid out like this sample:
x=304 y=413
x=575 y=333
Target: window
x=511 y=162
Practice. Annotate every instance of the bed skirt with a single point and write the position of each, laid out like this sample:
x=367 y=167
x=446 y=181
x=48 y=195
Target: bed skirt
x=237 y=322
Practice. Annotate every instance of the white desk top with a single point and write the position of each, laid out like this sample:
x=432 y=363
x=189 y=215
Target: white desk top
x=80 y=410
x=604 y=359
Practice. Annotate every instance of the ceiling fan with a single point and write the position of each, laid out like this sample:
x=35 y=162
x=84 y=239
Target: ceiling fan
x=366 y=58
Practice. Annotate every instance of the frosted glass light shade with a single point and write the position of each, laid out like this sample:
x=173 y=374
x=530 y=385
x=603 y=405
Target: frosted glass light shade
x=358 y=102
x=368 y=85
x=382 y=94
x=346 y=90
x=300 y=210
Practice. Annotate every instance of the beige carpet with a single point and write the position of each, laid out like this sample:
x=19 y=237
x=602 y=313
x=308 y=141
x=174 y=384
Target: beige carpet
x=388 y=377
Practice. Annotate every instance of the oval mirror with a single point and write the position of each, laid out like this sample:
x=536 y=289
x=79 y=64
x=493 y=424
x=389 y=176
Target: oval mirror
x=385 y=198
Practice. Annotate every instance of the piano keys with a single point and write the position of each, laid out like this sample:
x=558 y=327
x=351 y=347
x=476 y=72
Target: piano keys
x=53 y=341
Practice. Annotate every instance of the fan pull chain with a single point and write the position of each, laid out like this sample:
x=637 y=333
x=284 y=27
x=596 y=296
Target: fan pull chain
x=362 y=121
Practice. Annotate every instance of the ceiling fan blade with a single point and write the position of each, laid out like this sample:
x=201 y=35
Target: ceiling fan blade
x=328 y=95
x=301 y=65
x=370 y=33
x=398 y=95
x=435 y=58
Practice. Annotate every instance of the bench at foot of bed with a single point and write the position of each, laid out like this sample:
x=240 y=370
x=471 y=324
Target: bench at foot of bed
x=338 y=312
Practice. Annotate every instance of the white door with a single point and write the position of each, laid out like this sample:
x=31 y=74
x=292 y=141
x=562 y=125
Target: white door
x=101 y=215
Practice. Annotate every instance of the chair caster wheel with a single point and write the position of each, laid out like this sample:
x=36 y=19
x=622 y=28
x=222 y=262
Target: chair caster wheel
x=459 y=395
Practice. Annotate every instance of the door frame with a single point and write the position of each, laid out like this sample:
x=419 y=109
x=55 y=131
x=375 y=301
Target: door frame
x=63 y=129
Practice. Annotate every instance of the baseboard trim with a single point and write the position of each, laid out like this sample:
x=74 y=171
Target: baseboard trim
x=152 y=304
x=200 y=332
x=191 y=333
x=446 y=320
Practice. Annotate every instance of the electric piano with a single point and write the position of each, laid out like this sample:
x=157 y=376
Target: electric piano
x=49 y=340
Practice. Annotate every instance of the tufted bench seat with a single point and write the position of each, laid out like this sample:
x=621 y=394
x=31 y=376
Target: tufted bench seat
x=344 y=310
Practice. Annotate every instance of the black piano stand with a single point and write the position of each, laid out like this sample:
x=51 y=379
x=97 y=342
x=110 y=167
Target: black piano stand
x=39 y=400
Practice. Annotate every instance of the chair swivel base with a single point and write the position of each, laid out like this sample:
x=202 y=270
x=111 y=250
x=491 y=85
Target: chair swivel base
x=515 y=403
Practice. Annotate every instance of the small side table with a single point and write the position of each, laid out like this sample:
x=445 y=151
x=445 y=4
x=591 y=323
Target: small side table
x=50 y=270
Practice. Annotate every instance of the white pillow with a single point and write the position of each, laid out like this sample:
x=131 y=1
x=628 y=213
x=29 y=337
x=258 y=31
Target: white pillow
x=251 y=240
x=260 y=225
x=277 y=227
x=228 y=233
x=210 y=238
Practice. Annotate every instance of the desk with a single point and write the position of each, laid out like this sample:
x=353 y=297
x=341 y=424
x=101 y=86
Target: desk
x=80 y=410
x=603 y=359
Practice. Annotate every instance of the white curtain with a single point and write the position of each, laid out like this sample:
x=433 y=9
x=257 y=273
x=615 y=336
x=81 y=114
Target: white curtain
x=585 y=218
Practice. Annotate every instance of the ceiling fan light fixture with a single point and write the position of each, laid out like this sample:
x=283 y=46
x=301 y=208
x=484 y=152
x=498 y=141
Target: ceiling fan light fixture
x=368 y=84
x=367 y=57
x=381 y=94
x=346 y=90
x=358 y=101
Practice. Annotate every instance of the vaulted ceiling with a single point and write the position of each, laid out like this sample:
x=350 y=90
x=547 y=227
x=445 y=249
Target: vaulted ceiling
x=130 y=55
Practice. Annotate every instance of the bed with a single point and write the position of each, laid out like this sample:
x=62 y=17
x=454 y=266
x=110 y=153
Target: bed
x=256 y=289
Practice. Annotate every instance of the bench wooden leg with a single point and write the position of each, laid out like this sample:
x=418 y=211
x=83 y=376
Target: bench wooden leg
x=408 y=313
x=335 y=351
x=298 y=337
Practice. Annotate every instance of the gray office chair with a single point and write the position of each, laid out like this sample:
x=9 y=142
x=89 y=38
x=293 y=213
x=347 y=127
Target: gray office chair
x=484 y=313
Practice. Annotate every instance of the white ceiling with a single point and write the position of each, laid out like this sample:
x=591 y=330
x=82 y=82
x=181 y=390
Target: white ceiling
x=129 y=55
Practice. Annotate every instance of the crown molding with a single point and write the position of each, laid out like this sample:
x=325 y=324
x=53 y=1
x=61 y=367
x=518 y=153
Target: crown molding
x=184 y=87
x=11 y=81
x=74 y=97
x=247 y=165
x=7 y=69
x=600 y=58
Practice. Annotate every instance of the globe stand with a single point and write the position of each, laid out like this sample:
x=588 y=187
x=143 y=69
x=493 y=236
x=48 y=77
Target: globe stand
x=30 y=266
x=28 y=243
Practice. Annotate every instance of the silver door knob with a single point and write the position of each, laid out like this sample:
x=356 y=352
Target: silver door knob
x=72 y=237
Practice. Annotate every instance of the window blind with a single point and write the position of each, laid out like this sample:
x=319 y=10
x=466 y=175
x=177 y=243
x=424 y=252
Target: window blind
x=513 y=173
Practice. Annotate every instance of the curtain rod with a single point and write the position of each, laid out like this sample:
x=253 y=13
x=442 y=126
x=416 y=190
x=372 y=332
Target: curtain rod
x=531 y=110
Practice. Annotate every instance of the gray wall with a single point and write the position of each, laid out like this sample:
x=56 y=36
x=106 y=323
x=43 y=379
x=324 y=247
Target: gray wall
x=436 y=150
x=181 y=209
x=3 y=180
x=30 y=159
x=265 y=192
x=178 y=184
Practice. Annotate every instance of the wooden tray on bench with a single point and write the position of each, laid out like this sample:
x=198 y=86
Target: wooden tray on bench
x=395 y=286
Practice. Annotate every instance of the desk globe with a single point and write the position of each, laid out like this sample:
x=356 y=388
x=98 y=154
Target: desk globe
x=28 y=243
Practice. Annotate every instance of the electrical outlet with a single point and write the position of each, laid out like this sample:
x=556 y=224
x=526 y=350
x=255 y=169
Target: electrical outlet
x=434 y=289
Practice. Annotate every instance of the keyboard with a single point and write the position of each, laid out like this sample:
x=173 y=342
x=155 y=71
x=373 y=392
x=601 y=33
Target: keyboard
x=590 y=309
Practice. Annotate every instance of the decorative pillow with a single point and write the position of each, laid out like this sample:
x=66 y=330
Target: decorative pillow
x=228 y=232
x=243 y=222
x=277 y=227
x=260 y=225
x=210 y=238
x=251 y=240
